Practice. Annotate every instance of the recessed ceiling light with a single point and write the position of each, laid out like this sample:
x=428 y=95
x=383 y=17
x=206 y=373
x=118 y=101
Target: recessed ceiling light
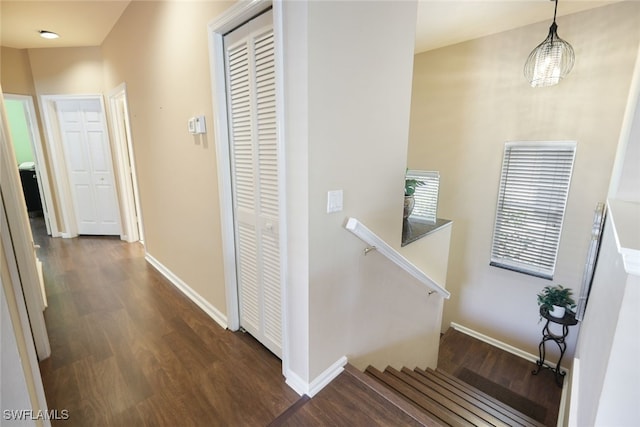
x=48 y=34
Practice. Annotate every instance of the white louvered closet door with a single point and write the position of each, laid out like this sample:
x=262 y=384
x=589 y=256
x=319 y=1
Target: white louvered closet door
x=249 y=55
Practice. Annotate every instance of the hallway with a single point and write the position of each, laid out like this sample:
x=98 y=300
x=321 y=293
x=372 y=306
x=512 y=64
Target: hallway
x=129 y=349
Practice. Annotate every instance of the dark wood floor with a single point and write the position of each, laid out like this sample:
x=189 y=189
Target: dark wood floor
x=470 y=359
x=128 y=349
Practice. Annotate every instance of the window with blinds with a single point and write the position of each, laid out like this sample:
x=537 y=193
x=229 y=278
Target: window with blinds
x=534 y=186
x=426 y=195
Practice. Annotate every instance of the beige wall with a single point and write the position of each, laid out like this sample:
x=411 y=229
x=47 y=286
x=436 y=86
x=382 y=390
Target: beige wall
x=160 y=50
x=359 y=89
x=469 y=99
x=16 y=71
x=394 y=320
x=17 y=78
x=59 y=71
x=74 y=70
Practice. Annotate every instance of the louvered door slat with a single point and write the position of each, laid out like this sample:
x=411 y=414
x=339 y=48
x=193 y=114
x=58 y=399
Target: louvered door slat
x=251 y=89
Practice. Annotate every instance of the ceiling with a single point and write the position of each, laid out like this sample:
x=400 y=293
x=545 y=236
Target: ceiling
x=440 y=22
x=79 y=23
x=446 y=22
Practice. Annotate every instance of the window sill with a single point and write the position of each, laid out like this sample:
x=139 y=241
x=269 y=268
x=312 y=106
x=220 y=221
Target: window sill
x=415 y=229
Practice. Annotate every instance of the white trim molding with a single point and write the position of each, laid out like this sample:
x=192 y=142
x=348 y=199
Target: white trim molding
x=53 y=142
x=124 y=164
x=42 y=170
x=236 y=15
x=233 y=17
x=321 y=381
x=624 y=217
x=375 y=242
x=211 y=311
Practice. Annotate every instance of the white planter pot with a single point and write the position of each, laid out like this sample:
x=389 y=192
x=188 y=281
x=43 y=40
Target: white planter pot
x=409 y=203
x=557 y=312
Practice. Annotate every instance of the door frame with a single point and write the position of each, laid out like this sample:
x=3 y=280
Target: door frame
x=131 y=211
x=68 y=221
x=17 y=235
x=42 y=170
x=21 y=323
x=235 y=16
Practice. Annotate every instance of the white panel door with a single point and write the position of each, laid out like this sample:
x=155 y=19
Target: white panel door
x=251 y=94
x=89 y=167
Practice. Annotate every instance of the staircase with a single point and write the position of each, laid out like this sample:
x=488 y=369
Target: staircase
x=442 y=398
x=399 y=398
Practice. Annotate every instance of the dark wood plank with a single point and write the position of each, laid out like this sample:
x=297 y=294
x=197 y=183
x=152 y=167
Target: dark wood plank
x=452 y=405
x=130 y=349
x=517 y=416
x=418 y=399
x=475 y=399
x=480 y=414
x=459 y=351
x=348 y=402
x=420 y=416
x=283 y=418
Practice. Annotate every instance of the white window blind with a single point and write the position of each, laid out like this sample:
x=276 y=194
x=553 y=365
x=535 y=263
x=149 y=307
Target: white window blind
x=532 y=197
x=426 y=196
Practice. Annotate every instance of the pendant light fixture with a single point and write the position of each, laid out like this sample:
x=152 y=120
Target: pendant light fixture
x=551 y=60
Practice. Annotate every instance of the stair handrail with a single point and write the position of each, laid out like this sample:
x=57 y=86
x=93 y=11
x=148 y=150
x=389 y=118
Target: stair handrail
x=375 y=242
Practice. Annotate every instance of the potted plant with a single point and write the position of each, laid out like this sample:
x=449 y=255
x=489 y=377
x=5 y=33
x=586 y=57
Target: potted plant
x=410 y=185
x=556 y=299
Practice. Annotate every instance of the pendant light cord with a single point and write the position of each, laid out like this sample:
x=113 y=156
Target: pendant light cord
x=554 y=26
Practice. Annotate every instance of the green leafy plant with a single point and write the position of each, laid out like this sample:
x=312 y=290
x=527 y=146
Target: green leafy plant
x=410 y=186
x=556 y=295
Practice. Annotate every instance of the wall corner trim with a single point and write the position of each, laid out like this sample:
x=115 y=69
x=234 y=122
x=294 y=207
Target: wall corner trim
x=294 y=381
x=624 y=215
x=213 y=312
x=311 y=389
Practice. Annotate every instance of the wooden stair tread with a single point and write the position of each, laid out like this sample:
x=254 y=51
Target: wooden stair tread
x=514 y=415
x=463 y=410
x=392 y=397
x=416 y=398
x=482 y=411
x=346 y=402
x=473 y=398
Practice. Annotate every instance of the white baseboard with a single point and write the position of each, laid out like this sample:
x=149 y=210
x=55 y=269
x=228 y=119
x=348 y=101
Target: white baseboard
x=213 y=312
x=572 y=420
x=296 y=383
x=501 y=345
x=311 y=389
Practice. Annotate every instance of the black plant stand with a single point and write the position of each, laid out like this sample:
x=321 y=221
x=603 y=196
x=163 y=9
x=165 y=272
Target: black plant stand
x=569 y=319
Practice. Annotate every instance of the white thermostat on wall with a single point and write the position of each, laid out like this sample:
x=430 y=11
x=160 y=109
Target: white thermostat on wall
x=197 y=125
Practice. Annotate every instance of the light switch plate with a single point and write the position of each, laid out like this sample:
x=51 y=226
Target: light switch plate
x=334 y=201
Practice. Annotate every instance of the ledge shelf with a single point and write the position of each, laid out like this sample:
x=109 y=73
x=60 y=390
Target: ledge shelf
x=415 y=229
